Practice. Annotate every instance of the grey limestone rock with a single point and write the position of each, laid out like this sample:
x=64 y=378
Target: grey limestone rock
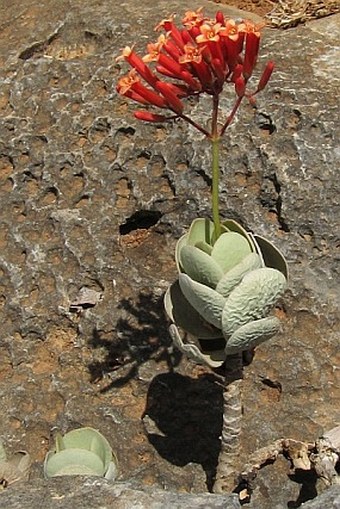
x=91 y=198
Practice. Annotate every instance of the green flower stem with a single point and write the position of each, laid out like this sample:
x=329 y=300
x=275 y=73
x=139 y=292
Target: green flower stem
x=215 y=140
x=232 y=115
x=215 y=184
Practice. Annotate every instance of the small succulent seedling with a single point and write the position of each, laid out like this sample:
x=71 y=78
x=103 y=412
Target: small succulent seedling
x=82 y=451
x=14 y=469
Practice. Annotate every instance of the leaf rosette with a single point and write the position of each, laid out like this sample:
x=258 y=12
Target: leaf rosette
x=225 y=291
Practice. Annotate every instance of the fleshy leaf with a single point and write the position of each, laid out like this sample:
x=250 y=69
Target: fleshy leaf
x=201 y=229
x=213 y=359
x=205 y=300
x=233 y=226
x=112 y=471
x=59 y=442
x=230 y=249
x=180 y=312
x=183 y=241
x=200 y=266
x=73 y=461
x=252 y=299
x=252 y=334
x=204 y=246
x=90 y=439
x=234 y=276
x=272 y=256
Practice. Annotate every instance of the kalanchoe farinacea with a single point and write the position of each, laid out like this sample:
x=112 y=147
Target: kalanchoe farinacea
x=229 y=280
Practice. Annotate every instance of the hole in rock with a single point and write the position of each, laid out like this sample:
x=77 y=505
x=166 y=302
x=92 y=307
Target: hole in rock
x=140 y=219
x=265 y=123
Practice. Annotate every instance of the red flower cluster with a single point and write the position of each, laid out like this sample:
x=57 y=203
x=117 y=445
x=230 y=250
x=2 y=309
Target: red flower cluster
x=200 y=57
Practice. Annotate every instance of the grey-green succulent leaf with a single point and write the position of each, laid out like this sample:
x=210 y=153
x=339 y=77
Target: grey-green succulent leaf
x=233 y=226
x=213 y=359
x=226 y=288
x=181 y=312
x=204 y=246
x=73 y=462
x=200 y=266
x=201 y=229
x=235 y=275
x=229 y=250
x=112 y=471
x=252 y=299
x=205 y=300
x=59 y=442
x=252 y=334
x=272 y=256
x=183 y=241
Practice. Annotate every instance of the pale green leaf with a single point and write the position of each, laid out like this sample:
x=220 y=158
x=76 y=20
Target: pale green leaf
x=252 y=299
x=204 y=246
x=90 y=439
x=183 y=241
x=59 y=442
x=73 y=461
x=230 y=249
x=252 y=334
x=213 y=359
x=200 y=230
x=200 y=266
x=272 y=256
x=205 y=300
x=235 y=275
x=233 y=226
x=185 y=316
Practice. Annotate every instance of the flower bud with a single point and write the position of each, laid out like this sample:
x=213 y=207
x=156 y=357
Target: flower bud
x=147 y=116
x=265 y=75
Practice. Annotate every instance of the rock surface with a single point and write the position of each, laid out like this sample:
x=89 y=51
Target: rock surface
x=79 y=493
x=92 y=203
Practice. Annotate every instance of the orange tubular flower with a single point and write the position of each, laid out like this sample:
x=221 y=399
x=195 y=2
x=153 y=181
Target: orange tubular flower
x=137 y=63
x=251 y=52
x=208 y=33
x=170 y=27
x=132 y=87
x=194 y=56
x=193 y=18
x=154 y=49
x=174 y=103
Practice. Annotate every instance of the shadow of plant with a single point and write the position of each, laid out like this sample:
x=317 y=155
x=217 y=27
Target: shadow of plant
x=141 y=335
x=183 y=419
x=307 y=481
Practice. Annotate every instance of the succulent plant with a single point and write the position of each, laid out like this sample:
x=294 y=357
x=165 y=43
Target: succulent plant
x=82 y=451
x=13 y=469
x=225 y=291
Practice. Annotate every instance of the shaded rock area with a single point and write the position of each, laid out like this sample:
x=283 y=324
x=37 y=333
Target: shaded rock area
x=92 y=203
